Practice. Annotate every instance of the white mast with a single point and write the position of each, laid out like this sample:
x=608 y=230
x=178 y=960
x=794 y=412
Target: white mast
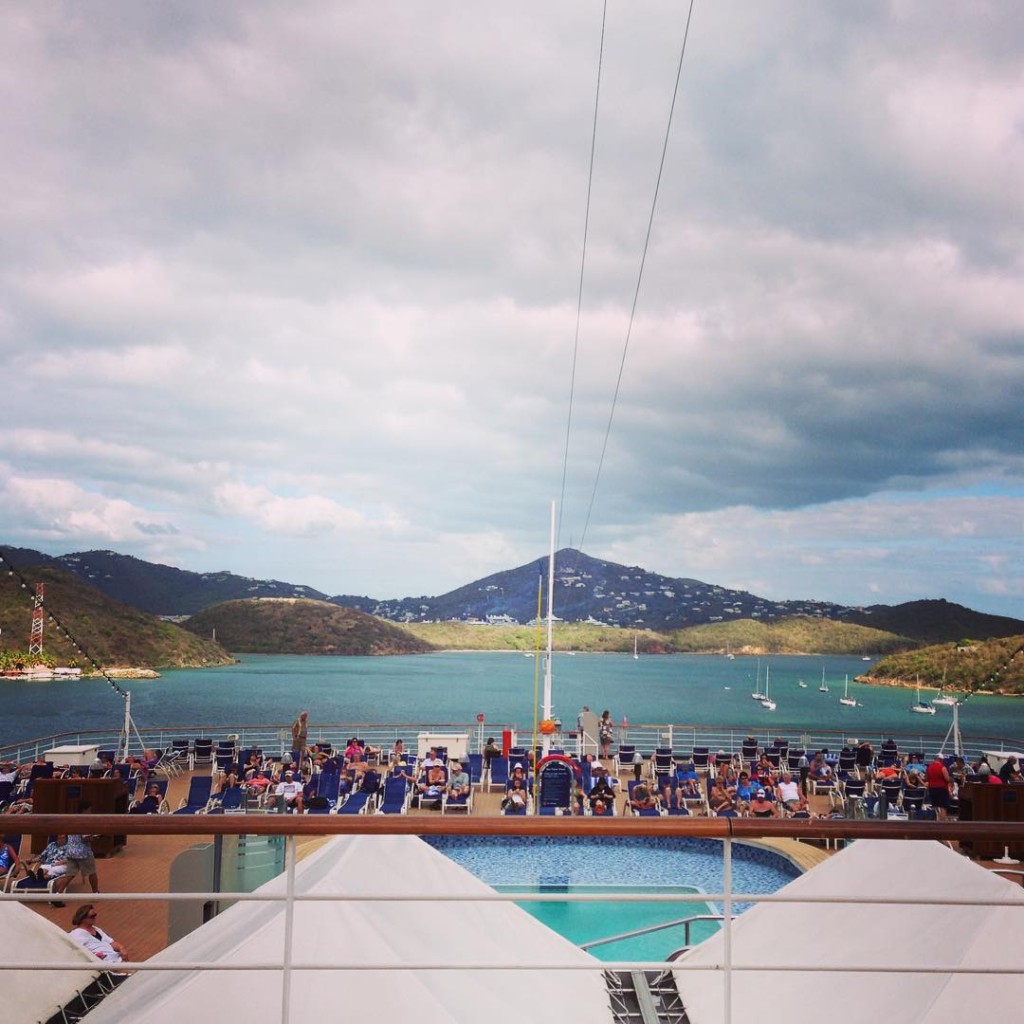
x=546 y=740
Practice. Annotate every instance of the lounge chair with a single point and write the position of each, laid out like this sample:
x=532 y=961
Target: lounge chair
x=198 y=799
x=395 y=797
x=202 y=753
x=229 y=801
x=499 y=773
x=475 y=767
x=328 y=794
x=458 y=803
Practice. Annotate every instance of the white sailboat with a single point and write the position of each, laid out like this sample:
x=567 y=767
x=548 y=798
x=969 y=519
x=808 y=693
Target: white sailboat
x=767 y=703
x=846 y=699
x=824 y=686
x=946 y=699
x=921 y=707
x=636 y=657
x=757 y=694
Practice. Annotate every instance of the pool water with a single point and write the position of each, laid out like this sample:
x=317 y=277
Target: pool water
x=617 y=864
x=586 y=922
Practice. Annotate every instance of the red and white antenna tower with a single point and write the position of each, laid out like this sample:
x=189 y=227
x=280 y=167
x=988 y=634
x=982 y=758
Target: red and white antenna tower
x=35 y=640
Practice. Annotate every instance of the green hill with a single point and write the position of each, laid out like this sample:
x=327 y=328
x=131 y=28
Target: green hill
x=113 y=634
x=292 y=625
x=989 y=666
x=797 y=635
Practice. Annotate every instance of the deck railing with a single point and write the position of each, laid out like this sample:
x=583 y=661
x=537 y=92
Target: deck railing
x=680 y=737
x=728 y=830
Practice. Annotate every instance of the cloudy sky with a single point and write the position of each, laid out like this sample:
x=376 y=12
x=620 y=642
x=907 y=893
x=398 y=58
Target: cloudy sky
x=291 y=289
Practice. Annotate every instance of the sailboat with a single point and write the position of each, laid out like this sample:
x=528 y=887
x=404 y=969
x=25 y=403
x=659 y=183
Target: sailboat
x=846 y=699
x=921 y=707
x=824 y=686
x=636 y=657
x=942 y=697
x=757 y=694
x=767 y=703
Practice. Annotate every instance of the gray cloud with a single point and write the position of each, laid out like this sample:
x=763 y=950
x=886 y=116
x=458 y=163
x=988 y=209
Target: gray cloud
x=288 y=279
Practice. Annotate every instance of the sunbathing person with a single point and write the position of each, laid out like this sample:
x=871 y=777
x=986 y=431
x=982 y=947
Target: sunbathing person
x=643 y=799
x=517 y=796
x=51 y=864
x=458 y=787
x=601 y=790
x=432 y=783
x=719 y=798
x=761 y=806
x=150 y=803
x=289 y=793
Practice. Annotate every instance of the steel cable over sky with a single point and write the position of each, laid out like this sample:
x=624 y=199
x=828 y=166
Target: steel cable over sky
x=639 y=279
x=583 y=267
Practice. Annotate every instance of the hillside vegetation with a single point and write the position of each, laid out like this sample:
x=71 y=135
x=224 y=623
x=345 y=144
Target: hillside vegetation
x=113 y=634
x=990 y=666
x=301 y=626
x=798 y=635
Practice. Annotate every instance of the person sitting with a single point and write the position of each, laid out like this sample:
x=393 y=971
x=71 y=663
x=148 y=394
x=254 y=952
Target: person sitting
x=88 y=934
x=432 y=783
x=150 y=803
x=432 y=759
x=51 y=864
x=789 y=794
x=517 y=796
x=458 y=785
x=719 y=798
x=8 y=858
x=745 y=789
x=289 y=793
x=760 y=806
x=601 y=790
x=398 y=754
x=1010 y=771
x=642 y=799
x=8 y=772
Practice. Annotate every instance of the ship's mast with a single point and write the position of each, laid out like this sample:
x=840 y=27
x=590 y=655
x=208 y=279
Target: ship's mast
x=35 y=639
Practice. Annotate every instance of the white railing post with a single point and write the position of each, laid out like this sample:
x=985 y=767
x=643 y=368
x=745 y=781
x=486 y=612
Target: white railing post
x=289 y=921
x=727 y=927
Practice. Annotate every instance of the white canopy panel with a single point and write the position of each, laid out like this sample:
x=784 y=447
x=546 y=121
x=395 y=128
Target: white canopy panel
x=30 y=938
x=371 y=933
x=816 y=937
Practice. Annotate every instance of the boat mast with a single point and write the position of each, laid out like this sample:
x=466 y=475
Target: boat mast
x=546 y=738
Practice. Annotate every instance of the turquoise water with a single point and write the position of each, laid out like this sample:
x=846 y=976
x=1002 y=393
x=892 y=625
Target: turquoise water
x=455 y=687
x=617 y=864
x=581 y=923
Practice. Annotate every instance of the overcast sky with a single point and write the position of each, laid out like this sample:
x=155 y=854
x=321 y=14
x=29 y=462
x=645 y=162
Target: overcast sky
x=291 y=290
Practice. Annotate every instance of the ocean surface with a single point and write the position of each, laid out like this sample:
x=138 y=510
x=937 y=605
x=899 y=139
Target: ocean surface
x=456 y=687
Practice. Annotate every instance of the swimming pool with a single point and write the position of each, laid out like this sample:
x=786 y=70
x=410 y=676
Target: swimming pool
x=616 y=865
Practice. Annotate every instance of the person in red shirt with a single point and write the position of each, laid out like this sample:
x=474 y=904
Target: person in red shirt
x=936 y=776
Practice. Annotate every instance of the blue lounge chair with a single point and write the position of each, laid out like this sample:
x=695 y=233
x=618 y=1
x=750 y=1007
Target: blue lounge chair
x=475 y=767
x=458 y=803
x=395 y=797
x=327 y=792
x=499 y=773
x=229 y=801
x=198 y=799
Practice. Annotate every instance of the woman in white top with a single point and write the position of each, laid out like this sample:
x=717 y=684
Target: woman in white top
x=87 y=933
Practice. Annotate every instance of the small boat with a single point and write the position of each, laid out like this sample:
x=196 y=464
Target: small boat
x=636 y=657
x=846 y=700
x=757 y=694
x=921 y=707
x=946 y=699
x=824 y=686
x=802 y=685
x=766 y=702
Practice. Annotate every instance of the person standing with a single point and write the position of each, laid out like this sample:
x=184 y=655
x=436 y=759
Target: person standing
x=606 y=733
x=300 y=733
x=79 y=856
x=936 y=776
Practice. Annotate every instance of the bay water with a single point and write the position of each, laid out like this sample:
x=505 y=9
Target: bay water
x=455 y=687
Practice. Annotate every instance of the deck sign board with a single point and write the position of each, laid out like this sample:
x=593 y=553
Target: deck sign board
x=555 y=779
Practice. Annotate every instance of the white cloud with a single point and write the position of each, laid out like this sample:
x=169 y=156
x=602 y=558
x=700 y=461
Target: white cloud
x=283 y=274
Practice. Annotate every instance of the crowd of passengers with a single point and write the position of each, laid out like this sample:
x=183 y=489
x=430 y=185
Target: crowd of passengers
x=755 y=783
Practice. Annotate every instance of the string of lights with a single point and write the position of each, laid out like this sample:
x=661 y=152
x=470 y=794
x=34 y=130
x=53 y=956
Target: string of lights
x=62 y=629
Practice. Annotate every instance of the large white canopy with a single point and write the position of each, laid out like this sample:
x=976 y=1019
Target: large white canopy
x=29 y=938
x=817 y=937
x=369 y=933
